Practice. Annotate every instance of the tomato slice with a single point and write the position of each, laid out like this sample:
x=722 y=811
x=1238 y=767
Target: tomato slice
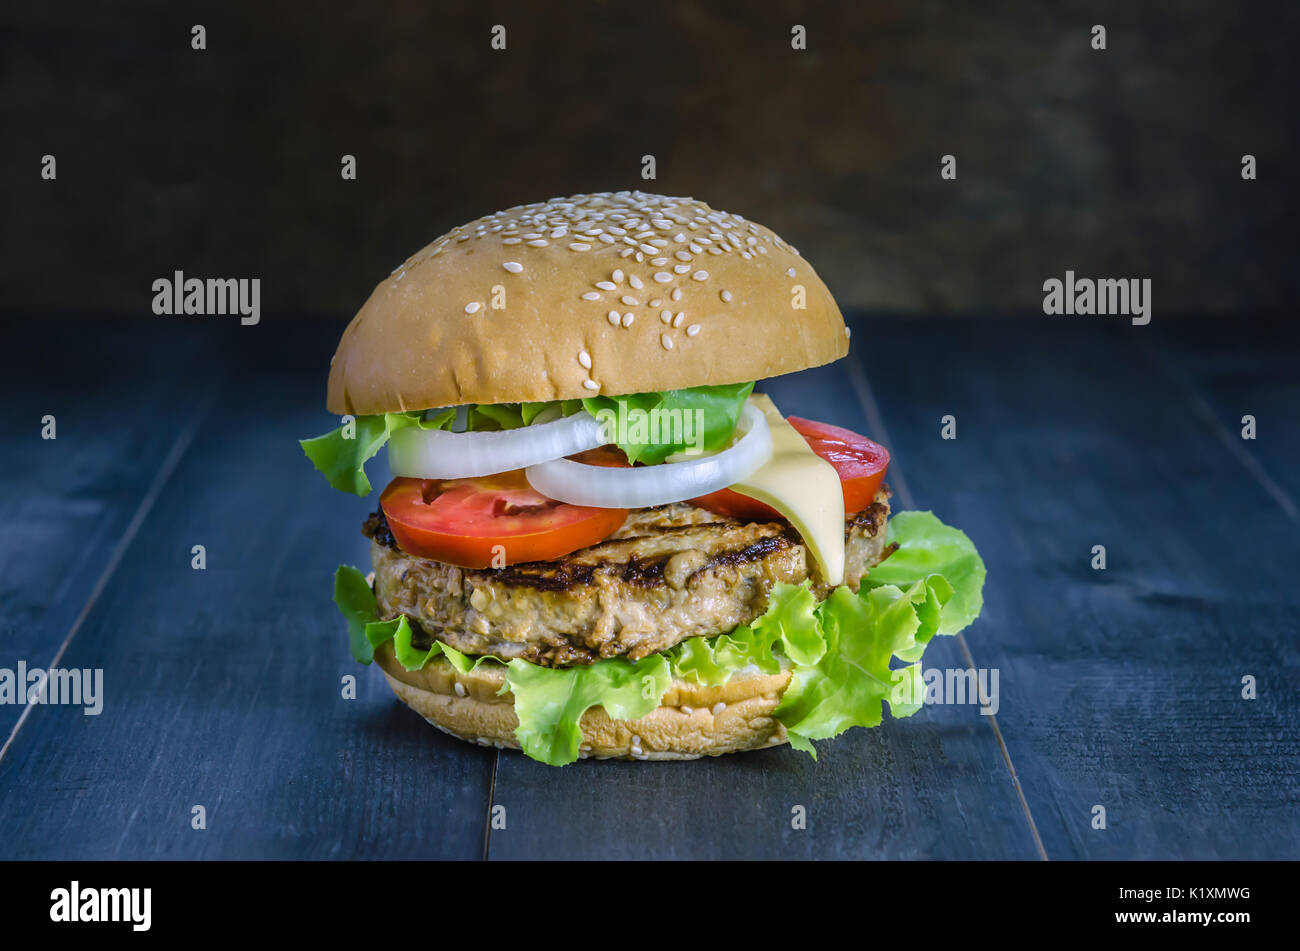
x=490 y=521
x=861 y=465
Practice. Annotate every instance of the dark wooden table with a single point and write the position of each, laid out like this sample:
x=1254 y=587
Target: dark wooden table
x=1119 y=688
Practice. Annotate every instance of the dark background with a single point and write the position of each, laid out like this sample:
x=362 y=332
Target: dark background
x=225 y=162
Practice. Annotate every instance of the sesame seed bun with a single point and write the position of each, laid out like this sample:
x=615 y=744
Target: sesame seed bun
x=607 y=293
x=692 y=720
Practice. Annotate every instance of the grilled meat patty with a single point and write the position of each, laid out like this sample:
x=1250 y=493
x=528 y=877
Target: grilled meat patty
x=669 y=573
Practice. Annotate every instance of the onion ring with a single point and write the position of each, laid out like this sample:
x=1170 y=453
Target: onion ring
x=644 y=486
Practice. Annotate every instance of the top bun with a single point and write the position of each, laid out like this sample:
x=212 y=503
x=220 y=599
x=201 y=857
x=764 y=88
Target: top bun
x=609 y=293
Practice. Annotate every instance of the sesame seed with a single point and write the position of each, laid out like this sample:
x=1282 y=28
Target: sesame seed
x=591 y=384
x=718 y=708
x=658 y=262
x=677 y=293
x=514 y=267
x=659 y=242
x=605 y=285
x=681 y=268
x=635 y=282
x=726 y=297
x=682 y=256
x=666 y=316
x=617 y=276
x=472 y=307
x=692 y=330
x=746 y=255
x=460 y=689
x=700 y=275
x=613 y=317
x=579 y=246
x=648 y=248
x=585 y=359
x=559 y=232
x=513 y=241
x=789 y=272
x=667 y=341
x=628 y=318
x=657 y=302
x=539 y=243
x=696 y=248
x=677 y=321
x=848 y=332
x=663 y=277
x=629 y=300
x=636 y=741
x=688 y=710
x=532 y=235
x=608 y=239
x=591 y=295
x=639 y=257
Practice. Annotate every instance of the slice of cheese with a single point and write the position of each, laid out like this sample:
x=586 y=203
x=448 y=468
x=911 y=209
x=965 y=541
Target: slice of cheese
x=804 y=488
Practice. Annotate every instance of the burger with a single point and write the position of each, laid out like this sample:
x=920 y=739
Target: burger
x=601 y=539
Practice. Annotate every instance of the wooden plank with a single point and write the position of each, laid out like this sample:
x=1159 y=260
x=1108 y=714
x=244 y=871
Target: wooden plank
x=1226 y=375
x=932 y=786
x=66 y=503
x=223 y=686
x=1120 y=688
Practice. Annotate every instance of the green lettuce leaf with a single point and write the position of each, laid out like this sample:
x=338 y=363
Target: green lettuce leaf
x=928 y=547
x=483 y=417
x=356 y=602
x=550 y=702
x=848 y=686
x=341 y=454
x=711 y=661
x=792 y=618
x=720 y=408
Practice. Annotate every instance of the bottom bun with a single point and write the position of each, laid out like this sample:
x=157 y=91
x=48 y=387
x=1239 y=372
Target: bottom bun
x=691 y=721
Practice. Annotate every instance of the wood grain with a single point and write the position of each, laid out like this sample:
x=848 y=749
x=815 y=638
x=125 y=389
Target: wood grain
x=223 y=686
x=1119 y=688
x=1122 y=687
x=123 y=401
